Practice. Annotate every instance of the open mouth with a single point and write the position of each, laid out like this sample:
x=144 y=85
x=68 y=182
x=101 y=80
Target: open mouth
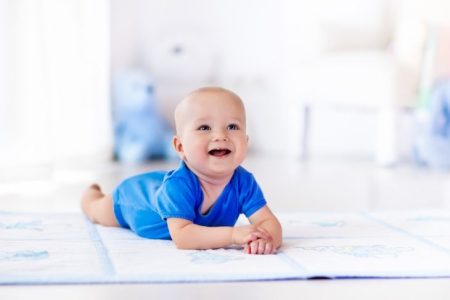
x=219 y=152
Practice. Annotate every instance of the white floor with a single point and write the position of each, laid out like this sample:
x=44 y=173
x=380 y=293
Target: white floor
x=319 y=185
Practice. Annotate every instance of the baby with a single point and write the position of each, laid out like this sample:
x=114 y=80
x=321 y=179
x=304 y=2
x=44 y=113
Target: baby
x=197 y=204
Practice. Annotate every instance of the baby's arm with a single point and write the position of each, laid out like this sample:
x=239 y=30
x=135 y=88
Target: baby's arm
x=265 y=219
x=187 y=235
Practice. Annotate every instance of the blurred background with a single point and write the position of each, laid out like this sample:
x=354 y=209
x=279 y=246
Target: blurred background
x=355 y=81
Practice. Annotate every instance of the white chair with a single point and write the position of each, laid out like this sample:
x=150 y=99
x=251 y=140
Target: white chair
x=357 y=66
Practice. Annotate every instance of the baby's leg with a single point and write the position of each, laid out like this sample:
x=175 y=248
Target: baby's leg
x=98 y=207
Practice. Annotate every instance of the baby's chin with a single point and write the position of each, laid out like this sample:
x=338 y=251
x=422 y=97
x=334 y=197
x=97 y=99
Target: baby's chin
x=214 y=173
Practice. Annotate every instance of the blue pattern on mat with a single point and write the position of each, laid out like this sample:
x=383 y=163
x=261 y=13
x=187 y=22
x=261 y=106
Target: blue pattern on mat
x=38 y=248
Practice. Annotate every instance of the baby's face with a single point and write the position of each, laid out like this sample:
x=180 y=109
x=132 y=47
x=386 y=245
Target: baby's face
x=211 y=133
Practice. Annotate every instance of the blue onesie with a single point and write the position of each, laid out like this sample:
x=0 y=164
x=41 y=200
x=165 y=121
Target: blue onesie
x=144 y=202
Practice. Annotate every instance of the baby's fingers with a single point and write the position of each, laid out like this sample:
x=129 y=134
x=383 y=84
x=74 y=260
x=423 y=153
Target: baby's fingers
x=254 y=247
x=262 y=235
x=267 y=235
x=259 y=247
x=268 y=249
x=247 y=248
x=251 y=237
x=262 y=247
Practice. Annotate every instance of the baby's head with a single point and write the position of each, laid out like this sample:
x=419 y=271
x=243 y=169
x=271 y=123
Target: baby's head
x=211 y=134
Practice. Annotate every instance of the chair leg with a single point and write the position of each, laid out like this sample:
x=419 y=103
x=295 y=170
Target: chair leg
x=306 y=120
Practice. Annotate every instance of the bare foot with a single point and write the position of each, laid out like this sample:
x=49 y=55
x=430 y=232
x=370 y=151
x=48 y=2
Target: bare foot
x=98 y=207
x=95 y=186
x=93 y=192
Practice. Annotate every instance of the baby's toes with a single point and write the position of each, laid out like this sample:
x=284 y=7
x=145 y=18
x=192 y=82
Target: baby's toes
x=95 y=186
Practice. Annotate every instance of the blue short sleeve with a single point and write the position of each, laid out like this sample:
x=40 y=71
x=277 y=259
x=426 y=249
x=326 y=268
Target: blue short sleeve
x=252 y=198
x=176 y=199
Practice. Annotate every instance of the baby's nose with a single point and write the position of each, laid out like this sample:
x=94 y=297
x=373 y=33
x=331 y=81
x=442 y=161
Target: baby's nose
x=220 y=135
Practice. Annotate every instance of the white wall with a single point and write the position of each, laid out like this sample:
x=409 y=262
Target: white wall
x=257 y=47
x=54 y=85
x=236 y=44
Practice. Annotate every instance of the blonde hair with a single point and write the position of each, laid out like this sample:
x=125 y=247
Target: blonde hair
x=181 y=106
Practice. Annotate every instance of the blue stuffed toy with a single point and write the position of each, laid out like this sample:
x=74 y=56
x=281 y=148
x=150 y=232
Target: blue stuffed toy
x=433 y=145
x=140 y=132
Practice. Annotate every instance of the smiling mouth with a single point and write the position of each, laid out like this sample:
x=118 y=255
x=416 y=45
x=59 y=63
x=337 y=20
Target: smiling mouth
x=219 y=152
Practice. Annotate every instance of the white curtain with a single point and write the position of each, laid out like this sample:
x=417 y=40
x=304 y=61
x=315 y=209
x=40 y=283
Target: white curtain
x=54 y=84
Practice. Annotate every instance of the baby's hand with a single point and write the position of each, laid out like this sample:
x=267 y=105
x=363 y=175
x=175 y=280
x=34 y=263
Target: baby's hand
x=242 y=235
x=260 y=246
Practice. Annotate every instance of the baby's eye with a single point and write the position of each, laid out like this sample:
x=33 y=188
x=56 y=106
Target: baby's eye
x=233 y=127
x=204 y=127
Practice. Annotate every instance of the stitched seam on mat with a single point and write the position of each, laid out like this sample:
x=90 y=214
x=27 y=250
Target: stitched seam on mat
x=102 y=252
x=303 y=273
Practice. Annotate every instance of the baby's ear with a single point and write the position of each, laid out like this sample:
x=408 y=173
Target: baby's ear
x=176 y=143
